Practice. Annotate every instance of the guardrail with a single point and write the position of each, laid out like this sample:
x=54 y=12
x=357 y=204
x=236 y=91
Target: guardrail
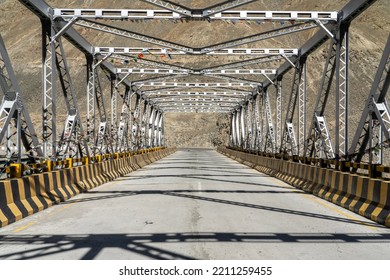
x=371 y=170
x=21 y=197
x=360 y=193
x=18 y=170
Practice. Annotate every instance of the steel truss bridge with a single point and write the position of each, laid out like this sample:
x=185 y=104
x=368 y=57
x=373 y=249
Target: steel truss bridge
x=134 y=119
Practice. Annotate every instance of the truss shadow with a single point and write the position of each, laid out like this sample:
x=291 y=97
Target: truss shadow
x=184 y=194
x=147 y=245
x=120 y=194
x=201 y=177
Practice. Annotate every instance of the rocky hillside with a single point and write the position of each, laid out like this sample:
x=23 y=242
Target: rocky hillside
x=21 y=32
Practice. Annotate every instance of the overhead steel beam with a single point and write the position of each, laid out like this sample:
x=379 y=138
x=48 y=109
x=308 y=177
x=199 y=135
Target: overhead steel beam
x=233 y=79
x=235 y=65
x=349 y=12
x=171 y=6
x=140 y=83
x=148 y=62
x=221 y=7
x=217 y=14
x=196 y=100
x=193 y=85
x=210 y=90
x=166 y=52
x=260 y=37
x=230 y=44
x=208 y=72
x=131 y=35
x=144 y=71
x=241 y=72
x=181 y=93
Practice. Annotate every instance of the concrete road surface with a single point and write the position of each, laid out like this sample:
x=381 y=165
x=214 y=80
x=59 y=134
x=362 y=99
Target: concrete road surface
x=195 y=204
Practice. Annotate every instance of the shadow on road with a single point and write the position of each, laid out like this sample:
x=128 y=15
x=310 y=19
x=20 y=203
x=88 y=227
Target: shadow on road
x=147 y=245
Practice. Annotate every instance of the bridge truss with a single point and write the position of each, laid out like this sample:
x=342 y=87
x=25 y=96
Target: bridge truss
x=130 y=87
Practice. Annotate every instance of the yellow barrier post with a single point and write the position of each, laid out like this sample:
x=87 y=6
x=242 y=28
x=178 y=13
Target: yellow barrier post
x=16 y=170
x=69 y=163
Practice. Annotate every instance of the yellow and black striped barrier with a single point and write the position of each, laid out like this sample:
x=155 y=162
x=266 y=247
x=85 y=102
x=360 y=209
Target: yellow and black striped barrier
x=369 y=197
x=21 y=197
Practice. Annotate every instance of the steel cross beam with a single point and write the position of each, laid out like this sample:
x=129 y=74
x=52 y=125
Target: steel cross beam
x=195 y=85
x=171 y=7
x=236 y=65
x=233 y=79
x=195 y=106
x=173 y=91
x=261 y=36
x=240 y=72
x=147 y=71
x=195 y=103
x=221 y=7
x=153 y=63
x=140 y=83
x=166 y=52
x=250 y=39
x=197 y=97
x=141 y=14
x=132 y=35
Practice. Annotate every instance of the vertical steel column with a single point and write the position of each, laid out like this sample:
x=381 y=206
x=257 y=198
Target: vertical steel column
x=289 y=140
x=341 y=140
x=136 y=123
x=270 y=142
x=49 y=94
x=145 y=113
x=155 y=128
x=158 y=126
x=264 y=124
x=302 y=111
x=248 y=122
x=114 y=111
x=243 y=126
x=130 y=122
x=254 y=124
x=232 y=129
x=103 y=143
x=279 y=114
x=257 y=120
x=123 y=128
x=238 y=127
x=152 y=116
x=319 y=142
x=91 y=114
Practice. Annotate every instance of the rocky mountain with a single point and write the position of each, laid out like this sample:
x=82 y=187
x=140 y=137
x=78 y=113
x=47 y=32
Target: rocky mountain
x=21 y=31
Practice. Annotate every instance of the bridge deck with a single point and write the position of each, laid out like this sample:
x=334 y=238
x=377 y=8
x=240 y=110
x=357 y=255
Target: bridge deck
x=195 y=204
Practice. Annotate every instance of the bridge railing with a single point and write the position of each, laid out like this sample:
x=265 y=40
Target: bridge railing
x=18 y=170
x=372 y=170
x=359 y=193
x=21 y=197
